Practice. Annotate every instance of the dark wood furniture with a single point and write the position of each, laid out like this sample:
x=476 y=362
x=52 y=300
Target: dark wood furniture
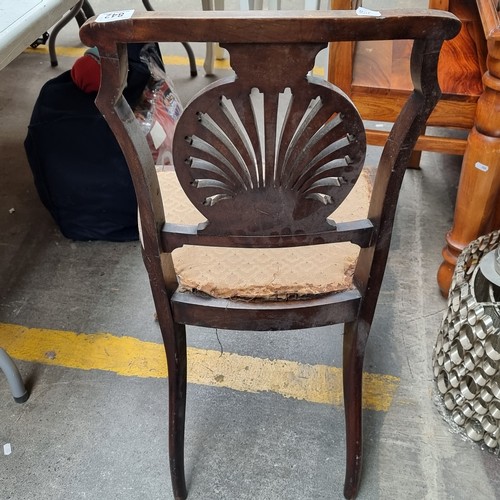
x=477 y=208
x=265 y=156
x=375 y=75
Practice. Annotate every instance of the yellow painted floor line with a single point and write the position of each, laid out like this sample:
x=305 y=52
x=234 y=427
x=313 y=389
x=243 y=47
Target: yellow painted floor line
x=168 y=60
x=60 y=51
x=128 y=356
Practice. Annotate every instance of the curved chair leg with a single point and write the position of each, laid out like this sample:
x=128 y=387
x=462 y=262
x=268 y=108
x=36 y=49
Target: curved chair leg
x=80 y=18
x=86 y=12
x=175 y=346
x=355 y=337
x=208 y=65
x=87 y=9
x=14 y=378
x=213 y=50
x=192 y=61
x=58 y=27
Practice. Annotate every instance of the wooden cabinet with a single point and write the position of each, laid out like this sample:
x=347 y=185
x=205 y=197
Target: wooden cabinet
x=477 y=209
x=375 y=73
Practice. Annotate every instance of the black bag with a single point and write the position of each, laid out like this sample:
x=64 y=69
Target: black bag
x=79 y=170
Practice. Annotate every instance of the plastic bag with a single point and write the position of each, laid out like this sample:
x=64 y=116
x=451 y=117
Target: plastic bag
x=159 y=109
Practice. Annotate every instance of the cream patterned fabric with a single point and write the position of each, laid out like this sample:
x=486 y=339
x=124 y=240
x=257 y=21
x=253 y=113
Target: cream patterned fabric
x=276 y=273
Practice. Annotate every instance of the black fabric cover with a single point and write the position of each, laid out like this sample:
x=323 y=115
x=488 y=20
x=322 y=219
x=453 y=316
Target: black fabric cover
x=79 y=170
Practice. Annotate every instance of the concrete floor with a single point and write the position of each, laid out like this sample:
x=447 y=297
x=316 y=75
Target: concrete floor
x=92 y=431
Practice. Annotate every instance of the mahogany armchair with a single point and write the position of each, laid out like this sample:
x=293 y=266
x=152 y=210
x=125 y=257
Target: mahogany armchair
x=265 y=157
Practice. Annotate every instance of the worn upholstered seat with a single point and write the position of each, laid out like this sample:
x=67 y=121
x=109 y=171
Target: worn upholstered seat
x=268 y=158
x=253 y=273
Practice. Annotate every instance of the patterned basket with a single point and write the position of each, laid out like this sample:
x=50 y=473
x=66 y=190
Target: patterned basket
x=466 y=358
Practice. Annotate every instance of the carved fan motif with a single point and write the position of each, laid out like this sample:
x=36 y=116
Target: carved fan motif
x=293 y=161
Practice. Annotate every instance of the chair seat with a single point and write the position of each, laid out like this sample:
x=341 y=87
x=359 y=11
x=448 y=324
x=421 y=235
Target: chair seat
x=266 y=274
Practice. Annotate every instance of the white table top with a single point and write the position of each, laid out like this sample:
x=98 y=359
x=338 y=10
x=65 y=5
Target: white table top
x=23 y=21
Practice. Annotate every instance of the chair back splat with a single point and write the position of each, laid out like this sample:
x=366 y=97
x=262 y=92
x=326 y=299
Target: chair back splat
x=270 y=164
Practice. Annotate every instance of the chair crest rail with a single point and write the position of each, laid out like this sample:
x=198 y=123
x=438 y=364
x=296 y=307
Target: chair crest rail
x=272 y=27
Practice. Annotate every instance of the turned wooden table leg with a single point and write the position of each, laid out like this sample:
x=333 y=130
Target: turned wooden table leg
x=477 y=209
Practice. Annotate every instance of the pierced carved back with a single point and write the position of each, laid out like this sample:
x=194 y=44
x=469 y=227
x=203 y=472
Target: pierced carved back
x=270 y=150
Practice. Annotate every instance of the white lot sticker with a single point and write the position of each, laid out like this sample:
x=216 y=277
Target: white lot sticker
x=361 y=11
x=482 y=166
x=117 y=15
x=7 y=449
x=158 y=135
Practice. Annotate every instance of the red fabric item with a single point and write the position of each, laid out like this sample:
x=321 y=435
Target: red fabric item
x=86 y=73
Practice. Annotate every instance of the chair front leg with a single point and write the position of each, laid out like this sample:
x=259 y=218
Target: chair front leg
x=177 y=381
x=355 y=337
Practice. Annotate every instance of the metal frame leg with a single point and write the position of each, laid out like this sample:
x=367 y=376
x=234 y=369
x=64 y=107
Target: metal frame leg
x=189 y=50
x=85 y=13
x=14 y=378
x=58 y=27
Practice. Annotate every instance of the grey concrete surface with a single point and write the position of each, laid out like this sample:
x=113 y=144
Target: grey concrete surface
x=97 y=435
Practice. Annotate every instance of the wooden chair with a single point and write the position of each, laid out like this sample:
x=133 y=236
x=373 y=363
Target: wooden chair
x=265 y=157
x=375 y=75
